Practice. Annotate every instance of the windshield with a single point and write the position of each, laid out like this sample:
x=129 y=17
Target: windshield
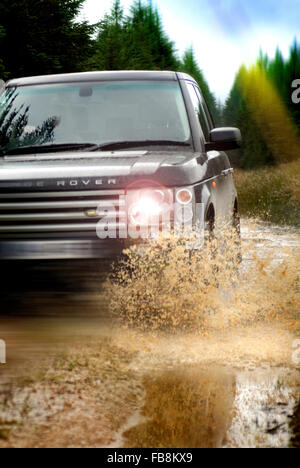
x=97 y=113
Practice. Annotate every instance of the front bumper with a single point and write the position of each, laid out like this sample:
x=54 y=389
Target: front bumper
x=60 y=249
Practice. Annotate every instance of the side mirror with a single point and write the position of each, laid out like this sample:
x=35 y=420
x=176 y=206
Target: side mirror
x=224 y=138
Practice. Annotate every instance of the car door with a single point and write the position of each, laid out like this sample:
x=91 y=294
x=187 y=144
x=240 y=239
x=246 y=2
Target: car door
x=218 y=163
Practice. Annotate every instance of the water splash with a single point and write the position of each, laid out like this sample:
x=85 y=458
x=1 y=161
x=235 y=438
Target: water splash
x=169 y=287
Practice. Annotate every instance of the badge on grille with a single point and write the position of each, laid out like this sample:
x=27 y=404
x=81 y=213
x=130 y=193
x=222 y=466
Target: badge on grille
x=91 y=213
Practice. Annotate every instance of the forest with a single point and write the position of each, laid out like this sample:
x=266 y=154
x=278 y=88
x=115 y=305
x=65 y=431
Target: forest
x=43 y=37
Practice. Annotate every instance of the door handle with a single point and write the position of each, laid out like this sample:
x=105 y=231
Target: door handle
x=226 y=172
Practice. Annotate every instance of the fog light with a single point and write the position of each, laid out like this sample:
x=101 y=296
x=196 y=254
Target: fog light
x=184 y=196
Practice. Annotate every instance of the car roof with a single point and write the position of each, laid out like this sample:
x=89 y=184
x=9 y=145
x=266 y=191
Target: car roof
x=128 y=75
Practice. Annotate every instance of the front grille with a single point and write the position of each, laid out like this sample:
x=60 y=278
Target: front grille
x=59 y=214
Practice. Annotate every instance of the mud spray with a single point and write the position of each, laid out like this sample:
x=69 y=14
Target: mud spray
x=214 y=338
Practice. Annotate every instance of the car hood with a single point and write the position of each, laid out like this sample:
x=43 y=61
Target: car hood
x=90 y=170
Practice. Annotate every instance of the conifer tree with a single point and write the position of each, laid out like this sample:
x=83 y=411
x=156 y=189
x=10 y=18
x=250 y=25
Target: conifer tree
x=42 y=37
x=149 y=45
x=135 y=42
x=262 y=144
x=111 y=45
x=2 y=69
x=189 y=65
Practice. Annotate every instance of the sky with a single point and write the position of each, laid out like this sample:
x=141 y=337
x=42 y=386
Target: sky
x=223 y=33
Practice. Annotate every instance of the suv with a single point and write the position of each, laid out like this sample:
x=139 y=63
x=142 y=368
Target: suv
x=79 y=148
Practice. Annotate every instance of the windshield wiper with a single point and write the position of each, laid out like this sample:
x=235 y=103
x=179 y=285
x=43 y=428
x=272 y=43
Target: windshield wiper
x=137 y=144
x=38 y=149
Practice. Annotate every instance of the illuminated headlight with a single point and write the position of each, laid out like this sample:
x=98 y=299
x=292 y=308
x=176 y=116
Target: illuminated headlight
x=147 y=206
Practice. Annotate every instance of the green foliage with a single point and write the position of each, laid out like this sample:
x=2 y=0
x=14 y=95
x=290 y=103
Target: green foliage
x=2 y=69
x=150 y=48
x=42 y=37
x=111 y=48
x=189 y=65
x=13 y=122
x=136 y=42
x=282 y=73
x=256 y=151
x=292 y=71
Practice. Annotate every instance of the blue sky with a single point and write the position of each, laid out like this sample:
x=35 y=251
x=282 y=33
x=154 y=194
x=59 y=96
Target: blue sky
x=224 y=33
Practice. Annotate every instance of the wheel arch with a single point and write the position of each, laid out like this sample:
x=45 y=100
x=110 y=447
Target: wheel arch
x=210 y=216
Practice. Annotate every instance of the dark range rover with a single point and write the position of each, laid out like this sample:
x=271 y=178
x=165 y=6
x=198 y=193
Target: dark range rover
x=73 y=146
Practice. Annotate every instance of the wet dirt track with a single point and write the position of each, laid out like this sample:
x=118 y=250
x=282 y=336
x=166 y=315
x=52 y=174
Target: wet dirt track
x=74 y=379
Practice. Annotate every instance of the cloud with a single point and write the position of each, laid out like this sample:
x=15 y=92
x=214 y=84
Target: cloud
x=224 y=33
x=231 y=16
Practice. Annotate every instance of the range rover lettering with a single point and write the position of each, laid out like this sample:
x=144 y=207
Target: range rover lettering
x=77 y=149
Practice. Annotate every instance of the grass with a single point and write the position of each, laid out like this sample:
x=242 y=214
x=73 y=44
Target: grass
x=271 y=194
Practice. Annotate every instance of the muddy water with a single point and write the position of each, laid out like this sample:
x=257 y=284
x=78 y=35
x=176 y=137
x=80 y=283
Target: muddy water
x=265 y=399
x=265 y=239
x=237 y=392
x=208 y=362
x=263 y=407
x=231 y=380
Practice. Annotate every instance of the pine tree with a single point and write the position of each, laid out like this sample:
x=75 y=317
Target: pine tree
x=189 y=65
x=111 y=45
x=260 y=104
x=2 y=69
x=137 y=42
x=276 y=71
x=150 y=48
x=254 y=152
x=292 y=73
x=42 y=37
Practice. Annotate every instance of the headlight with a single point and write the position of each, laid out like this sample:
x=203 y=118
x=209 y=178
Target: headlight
x=147 y=206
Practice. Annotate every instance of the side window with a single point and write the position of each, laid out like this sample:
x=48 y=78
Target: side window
x=198 y=107
x=205 y=108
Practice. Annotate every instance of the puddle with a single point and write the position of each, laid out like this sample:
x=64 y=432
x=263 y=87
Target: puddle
x=223 y=376
x=230 y=382
x=265 y=238
x=196 y=409
x=184 y=407
x=133 y=421
x=263 y=407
